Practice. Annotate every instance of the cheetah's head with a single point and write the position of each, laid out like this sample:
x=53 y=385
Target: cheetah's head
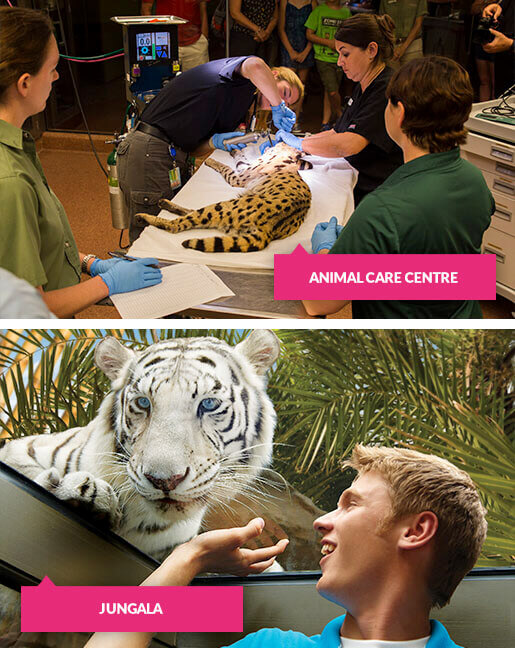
x=281 y=157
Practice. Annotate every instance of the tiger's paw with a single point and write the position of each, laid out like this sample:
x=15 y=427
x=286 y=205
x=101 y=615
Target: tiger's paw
x=49 y=479
x=84 y=491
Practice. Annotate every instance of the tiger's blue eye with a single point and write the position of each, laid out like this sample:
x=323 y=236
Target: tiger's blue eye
x=209 y=404
x=143 y=402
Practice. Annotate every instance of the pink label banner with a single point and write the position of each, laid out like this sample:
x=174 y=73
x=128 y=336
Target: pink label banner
x=383 y=276
x=48 y=608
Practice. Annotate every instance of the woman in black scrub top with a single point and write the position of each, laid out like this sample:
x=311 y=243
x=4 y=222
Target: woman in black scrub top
x=364 y=44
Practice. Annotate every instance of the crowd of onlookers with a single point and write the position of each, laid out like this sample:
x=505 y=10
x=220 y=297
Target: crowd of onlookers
x=299 y=34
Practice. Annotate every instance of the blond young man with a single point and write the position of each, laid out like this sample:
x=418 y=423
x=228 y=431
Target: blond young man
x=400 y=541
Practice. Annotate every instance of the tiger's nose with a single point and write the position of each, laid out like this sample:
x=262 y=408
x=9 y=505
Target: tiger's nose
x=168 y=484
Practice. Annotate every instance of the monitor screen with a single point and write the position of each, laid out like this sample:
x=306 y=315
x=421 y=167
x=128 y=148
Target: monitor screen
x=152 y=46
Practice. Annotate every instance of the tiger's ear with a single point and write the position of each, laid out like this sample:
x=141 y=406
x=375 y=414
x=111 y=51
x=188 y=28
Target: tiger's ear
x=261 y=348
x=111 y=356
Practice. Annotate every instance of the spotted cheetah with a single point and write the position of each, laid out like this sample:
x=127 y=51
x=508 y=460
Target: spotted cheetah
x=273 y=206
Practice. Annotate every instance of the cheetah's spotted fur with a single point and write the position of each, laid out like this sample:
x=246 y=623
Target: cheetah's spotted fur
x=273 y=206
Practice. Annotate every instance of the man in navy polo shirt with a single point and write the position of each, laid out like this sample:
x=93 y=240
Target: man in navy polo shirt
x=193 y=114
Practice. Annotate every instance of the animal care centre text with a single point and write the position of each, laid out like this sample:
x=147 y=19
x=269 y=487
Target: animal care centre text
x=384 y=277
x=300 y=275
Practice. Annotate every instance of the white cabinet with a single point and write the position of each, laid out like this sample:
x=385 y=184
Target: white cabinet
x=490 y=147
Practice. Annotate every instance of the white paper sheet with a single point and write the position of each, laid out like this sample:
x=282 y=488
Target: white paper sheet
x=331 y=182
x=184 y=285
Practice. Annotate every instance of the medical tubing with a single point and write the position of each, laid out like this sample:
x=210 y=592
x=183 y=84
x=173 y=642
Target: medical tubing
x=92 y=60
x=78 y=96
x=98 y=57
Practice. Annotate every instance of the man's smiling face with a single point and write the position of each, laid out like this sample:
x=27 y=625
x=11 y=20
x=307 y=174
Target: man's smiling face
x=355 y=547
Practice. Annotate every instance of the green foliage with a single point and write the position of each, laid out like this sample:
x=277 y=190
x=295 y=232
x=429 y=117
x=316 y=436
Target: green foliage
x=48 y=379
x=449 y=392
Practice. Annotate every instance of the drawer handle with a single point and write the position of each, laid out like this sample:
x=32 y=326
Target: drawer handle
x=501 y=153
x=500 y=258
x=505 y=170
x=505 y=188
x=501 y=213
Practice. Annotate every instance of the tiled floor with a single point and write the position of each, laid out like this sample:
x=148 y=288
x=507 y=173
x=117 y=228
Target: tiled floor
x=79 y=183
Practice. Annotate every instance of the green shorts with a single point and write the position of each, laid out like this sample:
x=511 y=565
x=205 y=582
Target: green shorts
x=331 y=75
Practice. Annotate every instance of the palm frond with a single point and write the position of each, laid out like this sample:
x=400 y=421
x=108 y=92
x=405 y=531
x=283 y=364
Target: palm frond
x=450 y=392
x=447 y=392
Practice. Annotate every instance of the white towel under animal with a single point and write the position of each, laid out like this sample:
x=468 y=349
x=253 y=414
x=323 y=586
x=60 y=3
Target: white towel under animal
x=331 y=181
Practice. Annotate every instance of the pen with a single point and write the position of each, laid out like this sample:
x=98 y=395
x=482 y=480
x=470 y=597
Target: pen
x=121 y=255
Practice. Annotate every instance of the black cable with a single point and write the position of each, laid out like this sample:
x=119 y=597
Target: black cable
x=123 y=247
x=503 y=109
x=77 y=92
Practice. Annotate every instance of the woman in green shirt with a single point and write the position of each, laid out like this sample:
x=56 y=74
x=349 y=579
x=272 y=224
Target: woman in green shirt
x=435 y=203
x=36 y=242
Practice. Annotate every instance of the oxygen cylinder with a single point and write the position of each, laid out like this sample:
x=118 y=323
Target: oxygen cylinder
x=119 y=215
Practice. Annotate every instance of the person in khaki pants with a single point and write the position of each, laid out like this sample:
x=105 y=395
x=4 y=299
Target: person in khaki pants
x=407 y=16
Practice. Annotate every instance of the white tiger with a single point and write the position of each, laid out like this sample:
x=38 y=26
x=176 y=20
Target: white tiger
x=187 y=423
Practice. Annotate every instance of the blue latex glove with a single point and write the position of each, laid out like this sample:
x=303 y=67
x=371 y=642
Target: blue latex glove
x=265 y=146
x=218 y=141
x=325 y=234
x=133 y=275
x=288 y=138
x=283 y=117
x=103 y=265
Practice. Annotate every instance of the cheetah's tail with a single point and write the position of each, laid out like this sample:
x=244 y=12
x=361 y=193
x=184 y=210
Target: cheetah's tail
x=241 y=243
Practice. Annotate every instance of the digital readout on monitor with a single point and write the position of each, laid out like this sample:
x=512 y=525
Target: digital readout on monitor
x=153 y=46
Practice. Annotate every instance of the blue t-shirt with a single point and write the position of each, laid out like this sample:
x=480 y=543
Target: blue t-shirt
x=330 y=638
x=208 y=99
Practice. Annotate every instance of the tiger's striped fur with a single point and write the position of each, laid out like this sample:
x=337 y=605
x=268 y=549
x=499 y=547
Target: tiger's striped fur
x=187 y=423
x=273 y=206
